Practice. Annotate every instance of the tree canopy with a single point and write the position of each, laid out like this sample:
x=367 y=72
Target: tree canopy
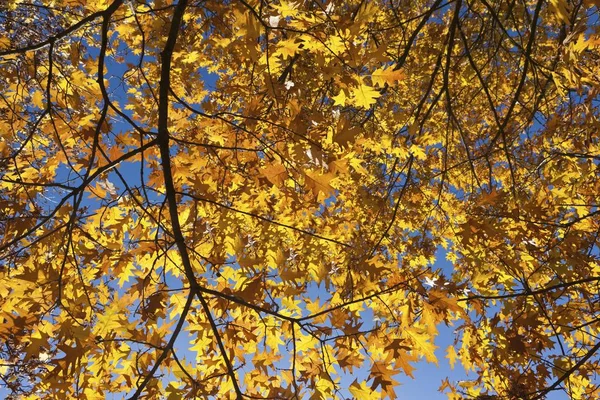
x=246 y=198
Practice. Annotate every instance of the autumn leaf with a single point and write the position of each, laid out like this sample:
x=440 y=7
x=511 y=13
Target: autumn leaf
x=345 y=135
x=362 y=391
x=275 y=173
x=400 y=353
x=38 y=99
x=364 y=95
x=340 y=99
x=422 y=343
x=287 y=8
x=111 y=319
x=404 y=361
x=451 y=356
x=319 y=183
x=559 y=7
x=444 y=302
x=287 y=48
x=382 y=377
x=388 y=75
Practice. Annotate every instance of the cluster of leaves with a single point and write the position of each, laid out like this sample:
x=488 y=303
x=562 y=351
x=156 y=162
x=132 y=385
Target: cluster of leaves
x=245 y=198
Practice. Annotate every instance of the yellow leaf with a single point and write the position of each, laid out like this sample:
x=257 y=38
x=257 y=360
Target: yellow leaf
x=364 y=95
x=356 y=163
x=38 y=99
x=320 y=183
x=200 y=345
x=126 y=272
x=422 y=344
x=340 y=99
x=382 y=374
x=275 y=173
x=287 y=9
x=443 y=302
x=403 y=360
x=385 y=75
x=418 y=152
x=451 y=355
x=191 y=57
x=336 y=45
x=559 y=7
x=362 y=391
x=111 y=320
x=287 y=48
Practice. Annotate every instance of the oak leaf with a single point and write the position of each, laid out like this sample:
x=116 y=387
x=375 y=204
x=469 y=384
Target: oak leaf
x=364 y=95
x=388 y=75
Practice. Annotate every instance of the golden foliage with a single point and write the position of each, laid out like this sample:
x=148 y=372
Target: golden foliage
x=244 y=199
